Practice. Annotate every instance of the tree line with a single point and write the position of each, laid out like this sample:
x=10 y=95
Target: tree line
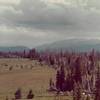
x=76 y=71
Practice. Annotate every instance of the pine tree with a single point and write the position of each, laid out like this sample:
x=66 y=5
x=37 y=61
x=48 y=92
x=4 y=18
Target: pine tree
x=97 y=93
x=77 y=93
x=18 y=94
x=78 y=75
x=58 y=80
x=30 y=95
x=32 y=54
x=62 y=78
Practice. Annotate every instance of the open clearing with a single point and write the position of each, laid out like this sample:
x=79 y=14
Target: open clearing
x=23 y=76
x=36 y=78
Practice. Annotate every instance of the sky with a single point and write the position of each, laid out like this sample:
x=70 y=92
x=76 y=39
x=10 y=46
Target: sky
x=35 y=22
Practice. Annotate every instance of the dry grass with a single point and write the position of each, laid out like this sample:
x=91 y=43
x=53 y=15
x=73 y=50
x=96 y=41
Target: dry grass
x=36 y=78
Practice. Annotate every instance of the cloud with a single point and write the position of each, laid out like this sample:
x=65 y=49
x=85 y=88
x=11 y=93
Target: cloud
x=9 y=2
x=33 y=22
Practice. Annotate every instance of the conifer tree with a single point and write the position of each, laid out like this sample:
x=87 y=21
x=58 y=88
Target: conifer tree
x=97 y=92
x=58 y=80
x=78 y=75
x=62 y=78
x=77 y=93
x=18 y=94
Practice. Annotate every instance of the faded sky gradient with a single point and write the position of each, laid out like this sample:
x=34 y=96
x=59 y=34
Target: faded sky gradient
x=35 y=22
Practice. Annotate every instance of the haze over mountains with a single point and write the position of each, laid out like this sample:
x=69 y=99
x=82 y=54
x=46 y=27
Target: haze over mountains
x=73 y=45
x=14 y=49
x=69 y=44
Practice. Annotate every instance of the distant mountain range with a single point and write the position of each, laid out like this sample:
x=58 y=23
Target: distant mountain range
x=72 y=45
x=14 y=49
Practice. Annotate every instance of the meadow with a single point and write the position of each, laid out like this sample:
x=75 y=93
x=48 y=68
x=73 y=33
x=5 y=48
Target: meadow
x=25 y=74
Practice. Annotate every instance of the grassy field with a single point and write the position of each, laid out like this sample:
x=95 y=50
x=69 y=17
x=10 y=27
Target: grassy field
x=25 y=74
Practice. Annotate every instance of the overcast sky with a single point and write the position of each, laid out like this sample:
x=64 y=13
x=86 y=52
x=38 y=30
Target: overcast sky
x=35 y=22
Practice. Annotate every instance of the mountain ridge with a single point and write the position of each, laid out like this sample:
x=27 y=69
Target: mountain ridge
x=13 y=48
x=72 y=45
